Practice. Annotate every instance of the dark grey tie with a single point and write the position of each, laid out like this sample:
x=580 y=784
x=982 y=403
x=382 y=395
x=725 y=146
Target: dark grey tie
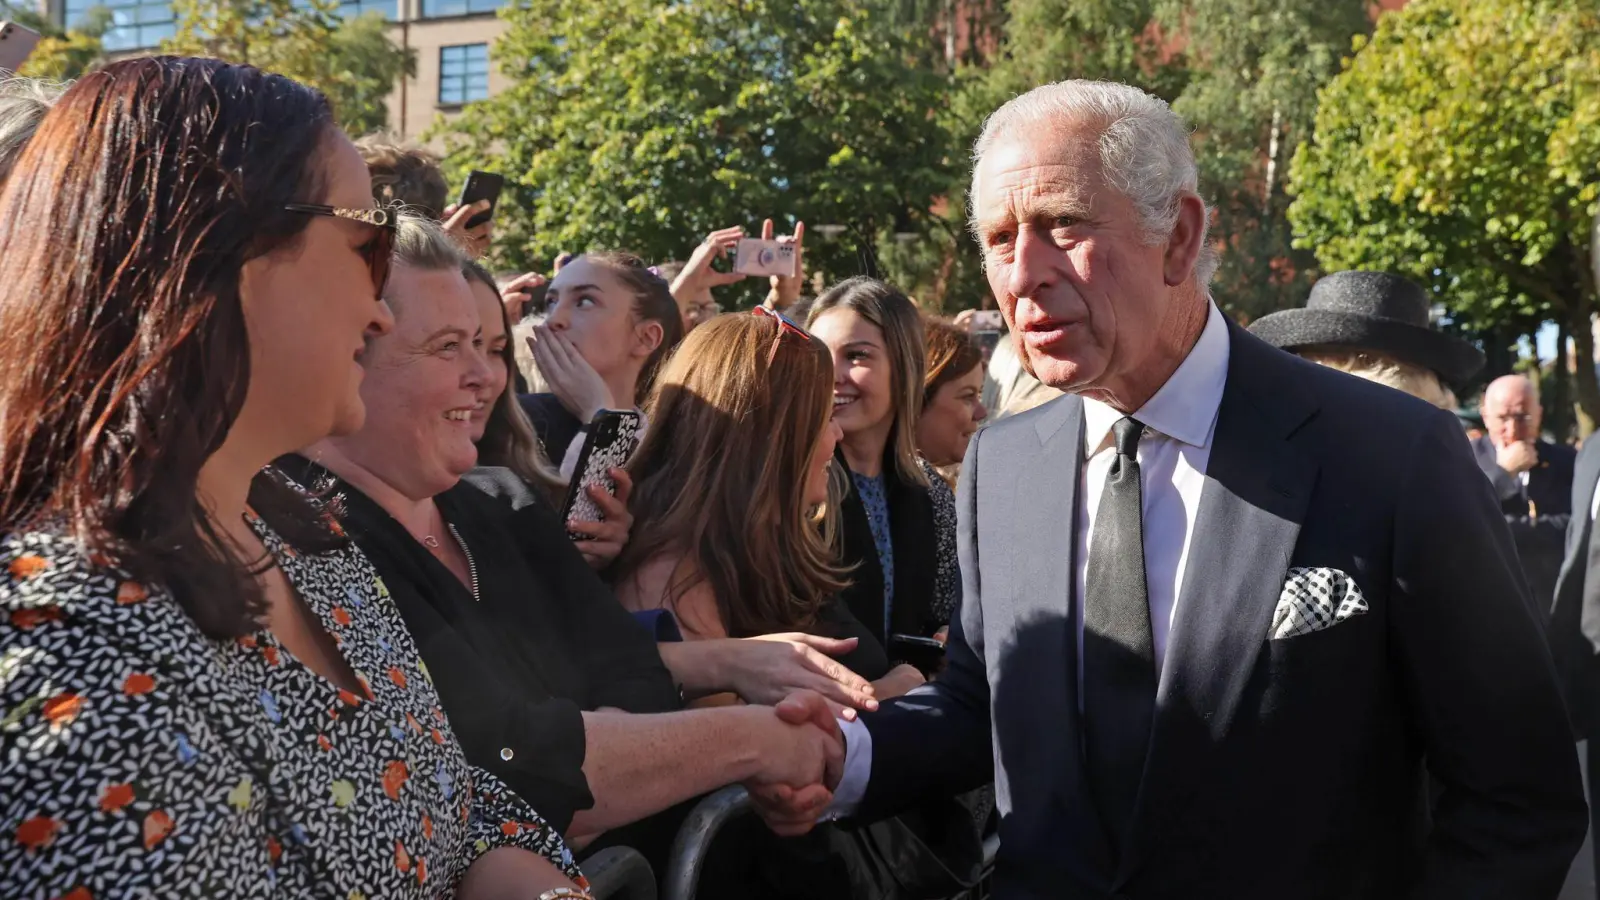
x=1119 y=659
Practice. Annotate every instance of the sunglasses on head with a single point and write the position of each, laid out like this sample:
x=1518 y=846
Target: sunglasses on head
x=379 y=251
x=786 y=325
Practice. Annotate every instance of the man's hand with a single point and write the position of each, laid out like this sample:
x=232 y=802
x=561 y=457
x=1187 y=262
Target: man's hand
x=789 y=810
x=476 y=240
x=571 y=379
x=1517 y=457
x=606 y=539
x=785 y=292
x=769 y=668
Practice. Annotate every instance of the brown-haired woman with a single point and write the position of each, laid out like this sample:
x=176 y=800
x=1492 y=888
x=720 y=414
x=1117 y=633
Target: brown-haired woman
x=952 y=394
x=506 y=438
x=206 y=688
x=610 y=322
x=738 y=460
x=898 y=522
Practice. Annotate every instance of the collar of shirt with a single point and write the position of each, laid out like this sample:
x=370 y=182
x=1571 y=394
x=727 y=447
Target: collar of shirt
x=1185 y=408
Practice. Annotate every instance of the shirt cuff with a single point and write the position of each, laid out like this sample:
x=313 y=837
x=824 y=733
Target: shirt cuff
x=857 y=770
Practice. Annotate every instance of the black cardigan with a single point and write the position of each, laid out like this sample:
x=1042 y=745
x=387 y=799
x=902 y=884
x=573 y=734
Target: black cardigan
x=926 y=577
x=514 y=670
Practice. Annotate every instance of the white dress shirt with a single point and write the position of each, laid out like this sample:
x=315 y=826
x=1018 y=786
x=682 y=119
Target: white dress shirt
x=1180 y=420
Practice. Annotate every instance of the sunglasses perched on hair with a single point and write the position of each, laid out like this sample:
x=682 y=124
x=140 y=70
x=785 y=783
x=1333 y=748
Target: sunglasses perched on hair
x=786 y=325
x=379 y=251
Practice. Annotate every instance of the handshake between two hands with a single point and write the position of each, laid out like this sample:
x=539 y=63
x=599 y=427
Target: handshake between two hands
x=800 y=772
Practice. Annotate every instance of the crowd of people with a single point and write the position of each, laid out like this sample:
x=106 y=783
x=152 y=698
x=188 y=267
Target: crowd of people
x=292 y=609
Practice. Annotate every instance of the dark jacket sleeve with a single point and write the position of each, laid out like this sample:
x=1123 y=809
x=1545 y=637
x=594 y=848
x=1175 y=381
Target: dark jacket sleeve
x=936 y=738
x=1478 y=675
x=623 y=667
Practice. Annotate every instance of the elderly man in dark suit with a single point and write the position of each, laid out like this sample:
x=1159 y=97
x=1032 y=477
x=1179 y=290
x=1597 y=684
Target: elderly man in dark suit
x=1224 y=608
x=1531 y=476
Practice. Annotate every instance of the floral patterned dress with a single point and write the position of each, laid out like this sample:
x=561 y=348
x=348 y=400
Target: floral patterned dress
x=140 y=758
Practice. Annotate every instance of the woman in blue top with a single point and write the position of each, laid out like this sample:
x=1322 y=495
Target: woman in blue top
x=897 y=516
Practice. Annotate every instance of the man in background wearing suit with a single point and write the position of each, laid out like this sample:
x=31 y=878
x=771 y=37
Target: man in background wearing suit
x=1221 y=603
x=1531 y=476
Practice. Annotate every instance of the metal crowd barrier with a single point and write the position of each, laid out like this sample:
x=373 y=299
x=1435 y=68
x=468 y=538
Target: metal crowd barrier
x=693 y=843
x=620 y=873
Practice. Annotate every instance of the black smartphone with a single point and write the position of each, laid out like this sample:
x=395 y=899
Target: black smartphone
x=481 y=186
x=613 y=436
x=923 y=653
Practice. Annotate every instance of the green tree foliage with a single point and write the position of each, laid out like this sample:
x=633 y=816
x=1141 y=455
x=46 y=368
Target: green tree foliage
x=1461 y=147
x=352 y=61
x=1253 y=71
x=63 y=53
x=646 y=126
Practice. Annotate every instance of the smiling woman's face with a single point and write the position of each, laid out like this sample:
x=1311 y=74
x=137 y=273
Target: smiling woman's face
x=863 y=377
x=424 y=383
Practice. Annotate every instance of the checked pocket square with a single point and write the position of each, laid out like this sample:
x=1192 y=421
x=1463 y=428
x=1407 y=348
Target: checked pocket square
x=1314 y=599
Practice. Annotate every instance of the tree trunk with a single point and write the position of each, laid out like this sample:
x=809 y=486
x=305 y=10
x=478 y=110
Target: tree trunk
x=1584 y=383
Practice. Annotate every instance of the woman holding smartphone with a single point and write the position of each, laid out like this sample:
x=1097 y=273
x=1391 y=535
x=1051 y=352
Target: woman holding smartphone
x=897 y=517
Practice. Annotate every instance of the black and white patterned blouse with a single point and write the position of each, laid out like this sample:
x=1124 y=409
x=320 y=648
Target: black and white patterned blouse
x=947 y=580
x=139 y=758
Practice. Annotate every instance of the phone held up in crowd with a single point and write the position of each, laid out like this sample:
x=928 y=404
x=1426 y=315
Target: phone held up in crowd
x=612 y=437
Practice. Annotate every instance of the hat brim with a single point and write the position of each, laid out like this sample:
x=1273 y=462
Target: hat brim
x=1452 y=358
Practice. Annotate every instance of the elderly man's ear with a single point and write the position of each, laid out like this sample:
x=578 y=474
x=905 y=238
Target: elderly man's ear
x=1186 y=241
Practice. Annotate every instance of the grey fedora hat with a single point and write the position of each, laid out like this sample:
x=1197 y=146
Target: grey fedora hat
x=1372 y=311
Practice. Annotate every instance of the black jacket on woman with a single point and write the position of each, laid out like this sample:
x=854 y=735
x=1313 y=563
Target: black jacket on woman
x=545 y=641
x=922 y=527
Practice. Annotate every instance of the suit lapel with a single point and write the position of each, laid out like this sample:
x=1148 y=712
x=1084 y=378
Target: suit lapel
x=1586 y=472
x=1256 y=491
x=1043 y=563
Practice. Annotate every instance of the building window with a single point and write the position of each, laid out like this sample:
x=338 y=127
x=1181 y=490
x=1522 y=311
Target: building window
x=135 y=24
x=350 y=9
x=438 y=8
x=463 y=74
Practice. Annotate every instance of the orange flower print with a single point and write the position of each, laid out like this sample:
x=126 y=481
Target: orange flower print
x=248 y=642
x=157 y=826
x=131 y=592
x=271 y=653
x=427 y=827
x=341 y=616
x=366 y=686
x=62 y=708
x=348 y=699
x=274 y=849
x=28 y=619
x=394 y=778
x=509 y=829
x=77 y=893
x=397 y=676
x=422 y=870
x=37 y=832
x=28 y=565
x=138 y=683
x=324 y=743
x=438 y=738
x=115 y=797
x=402 y=859
x=412 y=721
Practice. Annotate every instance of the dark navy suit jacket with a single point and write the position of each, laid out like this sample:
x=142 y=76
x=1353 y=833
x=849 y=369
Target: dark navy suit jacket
x=1277 y=768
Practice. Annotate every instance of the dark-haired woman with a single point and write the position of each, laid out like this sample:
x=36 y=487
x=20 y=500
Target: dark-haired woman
x=898 y=530
x=609 y=324
x=206 y=687
x=952 y=396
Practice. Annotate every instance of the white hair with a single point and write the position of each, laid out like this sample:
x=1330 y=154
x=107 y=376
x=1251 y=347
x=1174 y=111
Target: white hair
x=23 y=103
x=1144 y=150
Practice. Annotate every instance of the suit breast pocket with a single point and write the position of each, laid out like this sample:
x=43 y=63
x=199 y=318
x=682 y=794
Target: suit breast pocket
x=1314 y=673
